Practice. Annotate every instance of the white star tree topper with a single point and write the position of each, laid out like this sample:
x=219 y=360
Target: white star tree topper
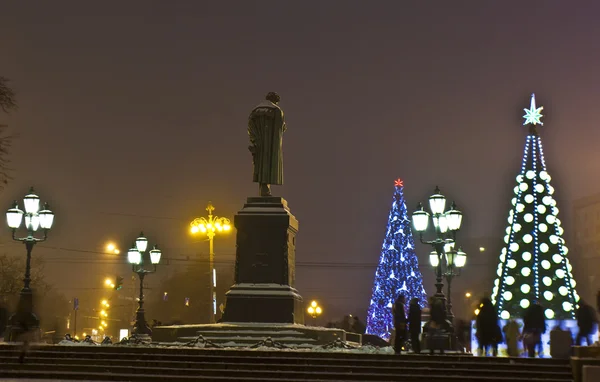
x=533 y=114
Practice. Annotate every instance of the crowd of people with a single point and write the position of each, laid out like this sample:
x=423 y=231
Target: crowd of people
x=489 y=333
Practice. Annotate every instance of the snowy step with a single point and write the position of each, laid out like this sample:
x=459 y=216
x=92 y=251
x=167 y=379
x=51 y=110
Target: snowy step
x=253 y=332
x=245 y=340
x=175 y=364
x=398 y=368
x=282 y=373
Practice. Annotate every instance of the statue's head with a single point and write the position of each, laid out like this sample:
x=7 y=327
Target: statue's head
x=273 y=97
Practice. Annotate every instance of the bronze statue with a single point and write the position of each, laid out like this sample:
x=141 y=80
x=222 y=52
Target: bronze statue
x=265 y=130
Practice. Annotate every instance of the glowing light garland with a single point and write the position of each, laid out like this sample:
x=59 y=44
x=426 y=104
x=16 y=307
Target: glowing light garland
x=397 y=271
x=535 y=247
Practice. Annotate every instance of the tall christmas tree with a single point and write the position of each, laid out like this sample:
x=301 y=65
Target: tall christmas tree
x=397 y=271
x=533 y=264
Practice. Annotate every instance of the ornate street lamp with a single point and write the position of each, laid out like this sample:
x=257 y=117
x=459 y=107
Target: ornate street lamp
x=136 y=256
x=210 y=226
x=314 y=310
x=446 y=224
x=24 y=320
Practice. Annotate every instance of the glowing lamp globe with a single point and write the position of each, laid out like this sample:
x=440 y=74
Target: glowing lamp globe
x=155 y=254
x=46 y=217
x=434 y=259
x=437 y=202
x=420 y=219
x=31 y=202
x=454 y=218
x=32 y=222
x=14 y=216
x=443 y=223
x=460 y=258
x=450 y=256
x=141 y=243
x=134 y=256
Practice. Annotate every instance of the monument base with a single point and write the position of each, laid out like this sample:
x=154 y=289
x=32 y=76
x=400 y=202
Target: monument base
x=268 y=303
x=265 y=265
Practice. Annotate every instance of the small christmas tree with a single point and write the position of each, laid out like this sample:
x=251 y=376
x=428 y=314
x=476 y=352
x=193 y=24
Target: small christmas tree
x=533 y=264
x=397 y=271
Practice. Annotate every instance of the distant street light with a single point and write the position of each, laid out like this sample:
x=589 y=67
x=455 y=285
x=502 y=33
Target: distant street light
x=109 y=283
x=112 y=248
x=24 y=320
x=135 y=256
x=314 y=310
x=210 y=226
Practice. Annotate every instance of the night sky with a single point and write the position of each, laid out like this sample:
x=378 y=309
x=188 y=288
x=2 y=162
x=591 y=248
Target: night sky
x=133 y=115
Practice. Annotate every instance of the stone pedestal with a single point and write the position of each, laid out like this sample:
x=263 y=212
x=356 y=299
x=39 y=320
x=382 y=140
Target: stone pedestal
x=265 y=265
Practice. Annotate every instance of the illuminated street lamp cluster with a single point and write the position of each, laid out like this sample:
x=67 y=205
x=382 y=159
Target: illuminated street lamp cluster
x=35 y=219
x=314 y=310
x=210 y=226
x=135 y=256
x=444 y=255
x=103 y=314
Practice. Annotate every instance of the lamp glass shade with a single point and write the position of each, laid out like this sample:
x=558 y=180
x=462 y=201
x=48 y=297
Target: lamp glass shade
x=134 y=256
x=141 y=243
x=461 y=259
x=449 y=246
x=454 y=218
x=32 y=222
x=46 y=218
x=443 y=224
x=437 y=202
x=14 y=217
x=155 y=254
x=420 y=220
x=450 y=258
x=434 y=259
x=31 y=202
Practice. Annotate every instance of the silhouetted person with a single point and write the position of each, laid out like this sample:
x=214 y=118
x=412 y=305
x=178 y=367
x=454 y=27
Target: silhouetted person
x=358 y=326
x=437 y=324
x=534 y=325
x=414 y=324
x=512 y=335
x=488 y=330
x=3 y=319
x=463 y=334
x=586 y=320
x=399 y=323
x=24 y=336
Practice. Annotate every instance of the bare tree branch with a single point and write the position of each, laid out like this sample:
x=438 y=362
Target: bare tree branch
x=8 y=99
x=8 y=103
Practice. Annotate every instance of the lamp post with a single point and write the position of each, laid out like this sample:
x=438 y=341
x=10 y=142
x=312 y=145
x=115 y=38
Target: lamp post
x=24 y=320
x=135 y=256
x=210 y=226
x=446 y=224
x=314 y=310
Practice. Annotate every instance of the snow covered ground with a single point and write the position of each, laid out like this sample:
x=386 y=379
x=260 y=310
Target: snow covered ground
x=234 y=346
